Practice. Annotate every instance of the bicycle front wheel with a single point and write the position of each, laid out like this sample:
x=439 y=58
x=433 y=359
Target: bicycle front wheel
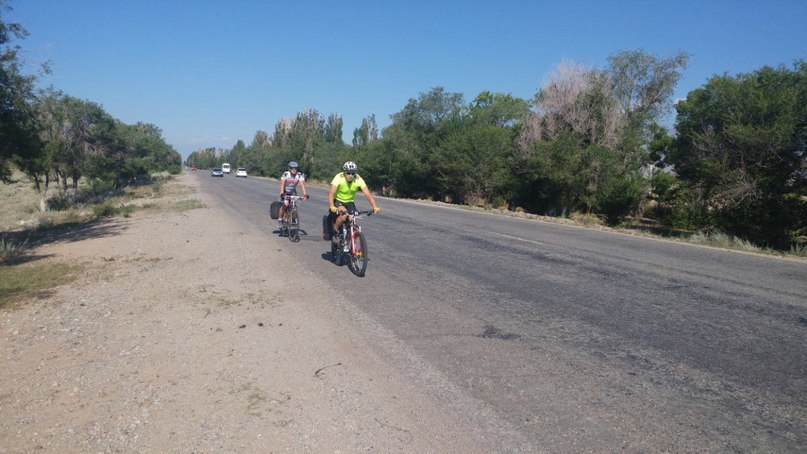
x=294 y=226
x=358 y=255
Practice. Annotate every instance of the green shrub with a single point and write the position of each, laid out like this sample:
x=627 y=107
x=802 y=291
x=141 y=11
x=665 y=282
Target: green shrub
x=799 y=249
x=111 y=208
x=60 y=202
x=723 y=240
x=618 y=198
x=11 y=249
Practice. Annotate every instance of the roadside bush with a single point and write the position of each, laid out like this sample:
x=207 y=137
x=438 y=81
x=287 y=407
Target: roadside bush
x=11 y=249
x=686 y=211
x=618 y=198
x=109 y=208
x=724 y=240
x=60 y=202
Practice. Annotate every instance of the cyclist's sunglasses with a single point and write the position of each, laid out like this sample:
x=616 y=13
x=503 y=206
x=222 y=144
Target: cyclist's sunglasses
x=350 y=173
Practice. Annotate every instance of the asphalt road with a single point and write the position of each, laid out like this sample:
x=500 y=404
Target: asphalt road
x=555 y=338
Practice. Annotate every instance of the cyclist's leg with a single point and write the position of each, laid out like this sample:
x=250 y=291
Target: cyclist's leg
x=342 y=215
x=339 y=216
x=282 y=210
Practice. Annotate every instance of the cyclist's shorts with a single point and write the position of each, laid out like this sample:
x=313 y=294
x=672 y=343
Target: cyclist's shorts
x=284 y=199
x=350 y=206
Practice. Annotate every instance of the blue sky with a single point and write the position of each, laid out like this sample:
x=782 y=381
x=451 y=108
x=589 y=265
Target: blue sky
x=211 y=72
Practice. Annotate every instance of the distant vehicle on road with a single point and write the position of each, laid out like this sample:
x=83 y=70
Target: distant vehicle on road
x=241 y=172
x=216 y=173
x=225 y=168
x=193 y=166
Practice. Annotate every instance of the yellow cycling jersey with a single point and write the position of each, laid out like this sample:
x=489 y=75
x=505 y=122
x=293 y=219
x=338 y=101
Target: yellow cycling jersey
x=345 y=191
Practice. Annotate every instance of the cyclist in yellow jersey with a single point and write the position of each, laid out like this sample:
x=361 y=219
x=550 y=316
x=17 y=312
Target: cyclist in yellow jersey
x=344 y=187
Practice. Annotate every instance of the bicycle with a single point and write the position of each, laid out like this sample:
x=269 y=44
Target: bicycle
x=352 y=244
x=291 y=219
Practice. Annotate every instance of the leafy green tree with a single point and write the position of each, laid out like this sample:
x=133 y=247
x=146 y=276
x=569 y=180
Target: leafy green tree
x=367 y=133
x=281 y=136
x=124 y=154
x=330 y=157
x=472 y=165
x=643 y=84
x=258 y=153
x=307 y=133
x=429 y=111
x=144 y=142
x=472 y=160
x=415 y=132
x=552 y=182
x=499 y=109
x=72 y=133
x=594 y=128
x=333 y=129
x=18 y=131
x=742 y=146
x=203 y=158
x=377 y=167
x=403 y=158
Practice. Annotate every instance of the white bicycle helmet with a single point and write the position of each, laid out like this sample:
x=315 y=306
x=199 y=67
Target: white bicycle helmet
x=349 y=166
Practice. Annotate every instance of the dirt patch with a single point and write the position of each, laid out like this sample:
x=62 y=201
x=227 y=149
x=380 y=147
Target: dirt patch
x=182 y=337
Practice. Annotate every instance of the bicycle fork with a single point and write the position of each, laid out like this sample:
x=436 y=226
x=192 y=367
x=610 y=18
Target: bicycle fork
x=353 y=241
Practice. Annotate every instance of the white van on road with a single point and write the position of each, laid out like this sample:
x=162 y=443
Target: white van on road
x=225 y=168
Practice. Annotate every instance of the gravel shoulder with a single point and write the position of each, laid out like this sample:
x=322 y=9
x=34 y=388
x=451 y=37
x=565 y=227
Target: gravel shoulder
x=184 y=336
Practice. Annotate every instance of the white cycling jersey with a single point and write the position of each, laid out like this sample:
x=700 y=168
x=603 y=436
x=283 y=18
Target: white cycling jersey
x=291 y=181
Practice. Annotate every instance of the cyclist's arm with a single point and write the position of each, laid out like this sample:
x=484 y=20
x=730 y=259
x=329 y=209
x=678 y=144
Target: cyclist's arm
x=282 y=185
x=302 y=185
x=331 y=194
x=370 y=197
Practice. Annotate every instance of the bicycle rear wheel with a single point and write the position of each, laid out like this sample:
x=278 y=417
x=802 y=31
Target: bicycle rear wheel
x=358 y=255
x=336 y=254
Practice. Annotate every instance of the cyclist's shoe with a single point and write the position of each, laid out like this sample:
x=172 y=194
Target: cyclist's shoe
x=280 y=224
x=335 y=239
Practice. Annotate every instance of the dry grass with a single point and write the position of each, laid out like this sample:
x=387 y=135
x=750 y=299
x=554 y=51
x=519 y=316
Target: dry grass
x=23 y=275
x=19 y=204
x=22 y=282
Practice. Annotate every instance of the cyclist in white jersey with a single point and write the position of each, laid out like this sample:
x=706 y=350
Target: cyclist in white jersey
x=288 y=186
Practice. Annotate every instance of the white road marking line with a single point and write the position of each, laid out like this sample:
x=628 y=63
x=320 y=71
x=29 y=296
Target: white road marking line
x=520 y=239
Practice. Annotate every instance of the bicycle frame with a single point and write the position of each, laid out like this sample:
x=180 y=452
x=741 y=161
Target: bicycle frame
x=354 y=227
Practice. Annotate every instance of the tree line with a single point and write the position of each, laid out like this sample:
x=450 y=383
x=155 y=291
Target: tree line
x=589 y=141
x=57 y=139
